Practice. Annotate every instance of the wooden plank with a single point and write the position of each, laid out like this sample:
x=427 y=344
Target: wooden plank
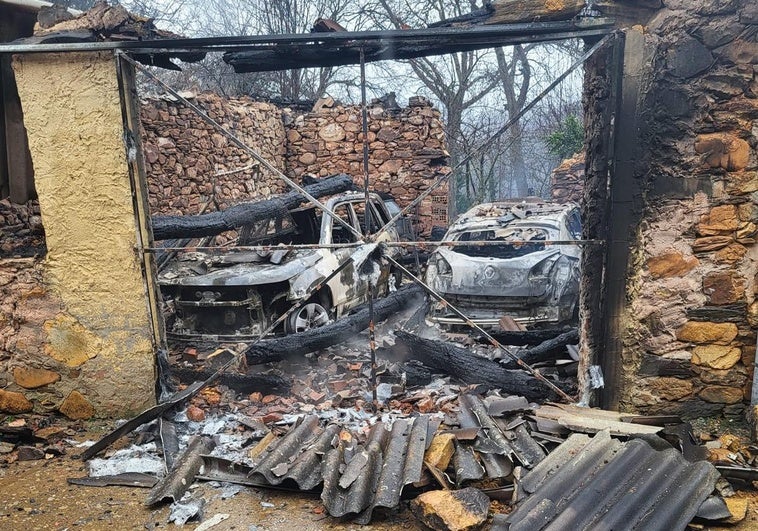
x=511 y=11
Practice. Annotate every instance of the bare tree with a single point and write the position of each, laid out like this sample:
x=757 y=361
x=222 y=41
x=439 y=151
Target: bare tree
x=251 y=17
x=458 y=81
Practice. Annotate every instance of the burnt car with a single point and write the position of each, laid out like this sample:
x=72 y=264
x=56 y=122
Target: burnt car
x=517 y=272
x=238 y=294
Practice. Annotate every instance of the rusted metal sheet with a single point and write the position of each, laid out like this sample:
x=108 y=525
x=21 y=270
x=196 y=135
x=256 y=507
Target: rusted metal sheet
x=602 y=483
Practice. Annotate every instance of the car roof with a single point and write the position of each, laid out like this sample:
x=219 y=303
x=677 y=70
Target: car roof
x=528 y=209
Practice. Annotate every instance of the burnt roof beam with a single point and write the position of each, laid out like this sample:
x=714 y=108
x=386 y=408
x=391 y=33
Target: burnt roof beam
x=453 y=39
x=287 y=56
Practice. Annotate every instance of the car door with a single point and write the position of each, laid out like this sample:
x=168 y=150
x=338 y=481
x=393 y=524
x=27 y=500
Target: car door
x=344 y=287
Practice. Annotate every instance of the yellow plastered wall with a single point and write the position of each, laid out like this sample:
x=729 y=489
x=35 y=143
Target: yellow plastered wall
x=72 y=113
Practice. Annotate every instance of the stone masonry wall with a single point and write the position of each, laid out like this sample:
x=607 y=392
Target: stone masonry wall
x=567 y=180
x=406 y=151
x=189 y=163
x=187 y=160
x=689 y=331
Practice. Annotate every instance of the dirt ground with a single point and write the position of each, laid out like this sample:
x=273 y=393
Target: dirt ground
x=34 y=495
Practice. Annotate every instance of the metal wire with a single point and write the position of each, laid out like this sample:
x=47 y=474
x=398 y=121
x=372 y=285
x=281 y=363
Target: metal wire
x=417 y=244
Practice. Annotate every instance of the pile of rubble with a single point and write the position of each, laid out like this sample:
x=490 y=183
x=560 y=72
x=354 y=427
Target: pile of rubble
x=470 y=461
x=458 y=455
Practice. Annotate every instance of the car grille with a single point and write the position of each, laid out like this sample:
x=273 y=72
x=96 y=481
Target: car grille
x=491 y=303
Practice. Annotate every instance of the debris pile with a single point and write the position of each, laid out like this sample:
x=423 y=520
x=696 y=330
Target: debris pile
x=469 y=461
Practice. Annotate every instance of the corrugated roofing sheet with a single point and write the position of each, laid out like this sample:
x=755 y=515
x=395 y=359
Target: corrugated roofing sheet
x=602 y=483
x=356 y=478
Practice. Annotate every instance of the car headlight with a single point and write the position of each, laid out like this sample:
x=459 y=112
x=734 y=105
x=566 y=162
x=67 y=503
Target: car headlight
x=443 y=267
x=438 y=272
x=542 y=270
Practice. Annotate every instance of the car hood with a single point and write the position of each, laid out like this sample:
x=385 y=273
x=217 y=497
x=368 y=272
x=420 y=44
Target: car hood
x=198 y=272
x=494 y=276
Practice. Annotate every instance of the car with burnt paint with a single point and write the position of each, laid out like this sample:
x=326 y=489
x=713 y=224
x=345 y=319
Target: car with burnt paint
x=238 y=293
x=509 y=258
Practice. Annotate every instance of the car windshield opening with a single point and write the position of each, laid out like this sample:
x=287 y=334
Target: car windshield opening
x=515 y=242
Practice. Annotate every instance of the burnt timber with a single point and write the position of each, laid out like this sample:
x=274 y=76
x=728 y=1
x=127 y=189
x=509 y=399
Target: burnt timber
x=470 y=368
x=213 y=223
x=269 y=350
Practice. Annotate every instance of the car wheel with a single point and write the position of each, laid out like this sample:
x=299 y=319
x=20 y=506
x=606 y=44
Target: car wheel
x=312 y=315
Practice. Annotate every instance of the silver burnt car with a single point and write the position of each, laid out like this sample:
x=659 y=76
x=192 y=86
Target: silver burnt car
x=518 y=273
x=238 y=294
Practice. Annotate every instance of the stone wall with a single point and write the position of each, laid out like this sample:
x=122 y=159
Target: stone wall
x=21 y=232
x=406 y=151
x=691 y=313
x=192 y=167
x=187 y=160
x=567 y=180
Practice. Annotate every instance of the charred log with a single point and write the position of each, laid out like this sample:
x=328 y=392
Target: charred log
x=519 y=338
x=513 y=11
x=213 y=223
x=341 y=330
x=467 y=367
x=545 y=351
x=242 y=383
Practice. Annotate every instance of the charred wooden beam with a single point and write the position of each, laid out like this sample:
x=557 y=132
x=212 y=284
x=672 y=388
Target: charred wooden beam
x=213 y=223
x=405 y=44
x=341 y=330
x=513 y=11
x=546 y=350
x=466 y=366
x=519 y=338
x=285 y=56
x=242 y=383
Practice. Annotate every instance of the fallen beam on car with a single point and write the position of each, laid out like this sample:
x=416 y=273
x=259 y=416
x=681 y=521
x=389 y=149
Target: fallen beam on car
x=467 y=367
x=341 y=330
x=213 y=223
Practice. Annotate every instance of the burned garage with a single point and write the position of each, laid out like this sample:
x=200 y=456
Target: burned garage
x=378 y=264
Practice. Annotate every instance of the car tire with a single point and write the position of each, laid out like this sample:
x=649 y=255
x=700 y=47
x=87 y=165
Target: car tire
x=311 y=315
